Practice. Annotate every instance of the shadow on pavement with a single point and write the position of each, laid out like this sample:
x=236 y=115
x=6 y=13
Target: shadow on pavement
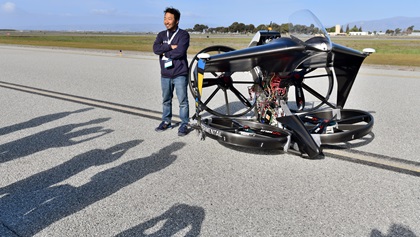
x=38 y=121
x=27 y=210
x=69 y=168
x=61 y=136
x=394 y=231
x=180 y=219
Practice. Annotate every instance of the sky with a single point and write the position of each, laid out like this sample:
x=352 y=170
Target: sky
x=147 y=15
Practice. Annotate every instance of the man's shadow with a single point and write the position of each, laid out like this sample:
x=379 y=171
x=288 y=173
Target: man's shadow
x=56 y=137
x=395 y=230
x=29 y=212
x=180 y=218
x=38 y=121
x=69 y=168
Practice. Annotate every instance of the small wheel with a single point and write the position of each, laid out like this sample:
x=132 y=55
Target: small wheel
x=224 y=94
x=349 y=125
x=316 y=85
x=246 y=133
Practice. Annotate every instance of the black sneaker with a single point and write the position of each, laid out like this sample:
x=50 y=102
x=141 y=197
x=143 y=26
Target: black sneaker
x=163 y=126
x=183 y=130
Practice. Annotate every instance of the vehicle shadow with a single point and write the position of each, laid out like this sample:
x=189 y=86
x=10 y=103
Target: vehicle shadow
x=27 y=211
x=256 y=151
x=395 y=230
x=61 y=136
x=38 y=121
x=363 y=141
x=180 y=218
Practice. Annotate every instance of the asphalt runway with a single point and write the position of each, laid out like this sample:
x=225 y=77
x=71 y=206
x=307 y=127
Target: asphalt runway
x=79 y=157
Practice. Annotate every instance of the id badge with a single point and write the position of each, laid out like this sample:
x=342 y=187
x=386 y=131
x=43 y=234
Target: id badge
x=168 y=63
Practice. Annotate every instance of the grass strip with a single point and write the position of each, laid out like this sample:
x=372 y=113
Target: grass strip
x=389 y=51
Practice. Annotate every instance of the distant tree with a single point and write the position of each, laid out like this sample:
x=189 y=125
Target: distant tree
x=241 y=28
x=223 y=29
x=410 y=29
x=250 y=28
x=234 y=27
x=284 y=28
x=219 y=29
x=274 y=26
x=200 y=27
x=354 y=29
x=261 y=27
x=238 y=27
x=331 y=29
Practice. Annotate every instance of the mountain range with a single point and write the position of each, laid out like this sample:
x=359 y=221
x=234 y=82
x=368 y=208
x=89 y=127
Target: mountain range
x=386 y=24
x=373 y=25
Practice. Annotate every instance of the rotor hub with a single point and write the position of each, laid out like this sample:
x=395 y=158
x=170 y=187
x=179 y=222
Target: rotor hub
x=225 y=81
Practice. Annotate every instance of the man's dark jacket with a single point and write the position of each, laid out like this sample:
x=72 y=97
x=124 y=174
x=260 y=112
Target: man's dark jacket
x=178 y=55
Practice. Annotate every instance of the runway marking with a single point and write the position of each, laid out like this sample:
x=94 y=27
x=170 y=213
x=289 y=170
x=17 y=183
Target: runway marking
x=85 y=52
x=388 y=75
x=87 y=101
x=380 y=161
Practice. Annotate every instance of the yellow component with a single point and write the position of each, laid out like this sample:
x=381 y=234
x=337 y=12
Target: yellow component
x=200 y=83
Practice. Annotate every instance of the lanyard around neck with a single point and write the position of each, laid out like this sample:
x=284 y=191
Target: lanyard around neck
x=167 y=35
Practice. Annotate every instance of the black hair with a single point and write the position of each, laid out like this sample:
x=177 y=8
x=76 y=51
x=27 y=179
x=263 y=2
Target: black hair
x=173 y=11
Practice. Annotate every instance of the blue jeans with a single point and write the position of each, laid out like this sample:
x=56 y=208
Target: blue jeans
x=180 y=84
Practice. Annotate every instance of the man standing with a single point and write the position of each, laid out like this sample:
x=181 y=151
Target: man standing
x=171 y=45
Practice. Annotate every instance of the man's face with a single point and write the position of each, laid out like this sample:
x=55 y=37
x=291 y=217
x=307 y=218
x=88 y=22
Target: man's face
x=169 y=21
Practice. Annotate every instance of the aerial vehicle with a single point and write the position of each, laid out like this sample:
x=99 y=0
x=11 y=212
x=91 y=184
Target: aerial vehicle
x=280 y=92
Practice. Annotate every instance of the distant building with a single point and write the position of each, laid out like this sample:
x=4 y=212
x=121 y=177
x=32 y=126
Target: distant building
x=352 y=33
x=358 y=33
x=337 y=31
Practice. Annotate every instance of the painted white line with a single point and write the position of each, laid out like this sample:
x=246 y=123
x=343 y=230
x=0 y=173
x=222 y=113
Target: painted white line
x=102 y=104
x=376 y=160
